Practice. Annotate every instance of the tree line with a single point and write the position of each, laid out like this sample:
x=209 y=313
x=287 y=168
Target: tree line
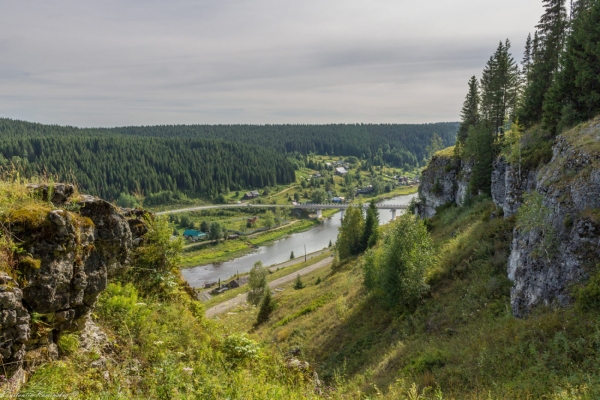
x=555 y=87
x=110 y=165
x=394 y=144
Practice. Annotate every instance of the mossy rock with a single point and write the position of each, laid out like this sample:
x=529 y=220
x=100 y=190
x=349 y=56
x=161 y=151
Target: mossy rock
x=30 y=216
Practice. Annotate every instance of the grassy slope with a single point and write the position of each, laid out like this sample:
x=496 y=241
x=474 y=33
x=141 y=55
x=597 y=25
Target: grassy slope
x=462 y=339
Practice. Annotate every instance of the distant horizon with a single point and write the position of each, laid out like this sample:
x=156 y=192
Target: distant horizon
x=231 y=124
x=138 y=63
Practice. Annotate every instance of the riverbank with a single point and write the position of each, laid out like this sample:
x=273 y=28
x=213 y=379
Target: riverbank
x=231 y=249
x=277 y=271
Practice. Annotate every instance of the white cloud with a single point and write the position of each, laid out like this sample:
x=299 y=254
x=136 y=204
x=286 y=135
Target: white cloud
x=263 y=61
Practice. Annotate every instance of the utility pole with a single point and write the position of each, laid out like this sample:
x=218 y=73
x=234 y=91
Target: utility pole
x=304 y=253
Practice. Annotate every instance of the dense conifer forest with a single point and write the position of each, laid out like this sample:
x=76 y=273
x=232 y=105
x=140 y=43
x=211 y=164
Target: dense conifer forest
x=517 y=110
x=202 y=160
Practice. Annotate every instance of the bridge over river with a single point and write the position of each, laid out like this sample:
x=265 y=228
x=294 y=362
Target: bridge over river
x=306 y=206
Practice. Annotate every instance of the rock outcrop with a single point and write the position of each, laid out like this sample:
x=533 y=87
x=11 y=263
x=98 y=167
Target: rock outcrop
x=70 y=254
x=569 y=187
x=564 y=244
x=438 y=183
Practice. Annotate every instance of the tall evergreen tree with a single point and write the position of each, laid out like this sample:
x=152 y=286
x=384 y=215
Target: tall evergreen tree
x=371 y=231
x=551 y=28
x=499 y=87
x=470 y=110
x=575 y=93
x=527 y=59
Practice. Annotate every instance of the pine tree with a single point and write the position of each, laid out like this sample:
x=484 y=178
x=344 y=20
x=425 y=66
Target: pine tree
x=470 y=110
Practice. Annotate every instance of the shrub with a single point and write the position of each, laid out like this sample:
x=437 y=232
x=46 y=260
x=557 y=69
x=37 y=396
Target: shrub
x=68 y=344
x=239 y=349
x=396 y=271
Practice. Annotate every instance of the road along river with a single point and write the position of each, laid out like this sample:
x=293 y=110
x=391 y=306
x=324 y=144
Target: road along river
x=279 y=251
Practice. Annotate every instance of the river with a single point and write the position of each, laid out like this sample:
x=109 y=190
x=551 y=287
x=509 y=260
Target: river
x=315 y=239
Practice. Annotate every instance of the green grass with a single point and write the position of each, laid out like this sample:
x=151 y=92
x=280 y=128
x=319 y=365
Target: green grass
x=462 y=338
x=276 y=274
x=231 y=249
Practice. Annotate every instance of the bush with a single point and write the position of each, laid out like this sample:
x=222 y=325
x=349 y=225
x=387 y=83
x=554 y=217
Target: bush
x=239 y=349
x=587 y=297
x=396 y=271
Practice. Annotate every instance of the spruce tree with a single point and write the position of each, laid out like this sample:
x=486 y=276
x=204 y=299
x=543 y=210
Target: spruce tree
x=575 y=93
x=470 y=110
x=547 y=49
x=499 y=87
x=266 y=308
x=371 y=230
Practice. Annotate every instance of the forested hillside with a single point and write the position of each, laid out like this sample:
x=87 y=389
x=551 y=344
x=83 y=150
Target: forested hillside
x=202 y=160
x=107 y=165
x=515 y=111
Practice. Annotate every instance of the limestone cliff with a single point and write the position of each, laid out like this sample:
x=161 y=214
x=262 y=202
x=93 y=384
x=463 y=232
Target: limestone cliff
x=569 y=187
x=547 y=260
x=438 y=183
x=69 y=251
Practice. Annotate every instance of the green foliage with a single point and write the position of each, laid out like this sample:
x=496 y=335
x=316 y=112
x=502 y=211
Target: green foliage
x=268 y=219
x=371 y=229
x=349 y=239
x=200 y=160
x=292 y=255
x=159 y=252
x=533 y=217
x=127 y=201
x=546 y=50
x=239 y=349
x=479 y=147
x=396 y=271
x=499 y=87
x=319 y=196
x=215 y=231
x=574 y=96
x=470 y=111
x=257 y=283
x=434 y=146
x=68 y=344
x=587 y=296
x=511 y=144
x=266 y=308
x=298 y=283
x=426 y=362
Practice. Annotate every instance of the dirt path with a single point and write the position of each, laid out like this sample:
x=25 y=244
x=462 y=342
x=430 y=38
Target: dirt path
x=229 y=304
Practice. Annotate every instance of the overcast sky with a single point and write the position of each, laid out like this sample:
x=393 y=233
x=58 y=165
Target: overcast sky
x=134 y=62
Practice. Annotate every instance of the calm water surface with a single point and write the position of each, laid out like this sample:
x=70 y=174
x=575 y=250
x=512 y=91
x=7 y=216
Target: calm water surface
x=314 y=239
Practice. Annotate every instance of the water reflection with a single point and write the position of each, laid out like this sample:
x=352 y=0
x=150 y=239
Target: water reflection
x=315 y=239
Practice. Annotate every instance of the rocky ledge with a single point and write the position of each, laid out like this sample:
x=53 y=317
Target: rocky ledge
x=69 y=254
